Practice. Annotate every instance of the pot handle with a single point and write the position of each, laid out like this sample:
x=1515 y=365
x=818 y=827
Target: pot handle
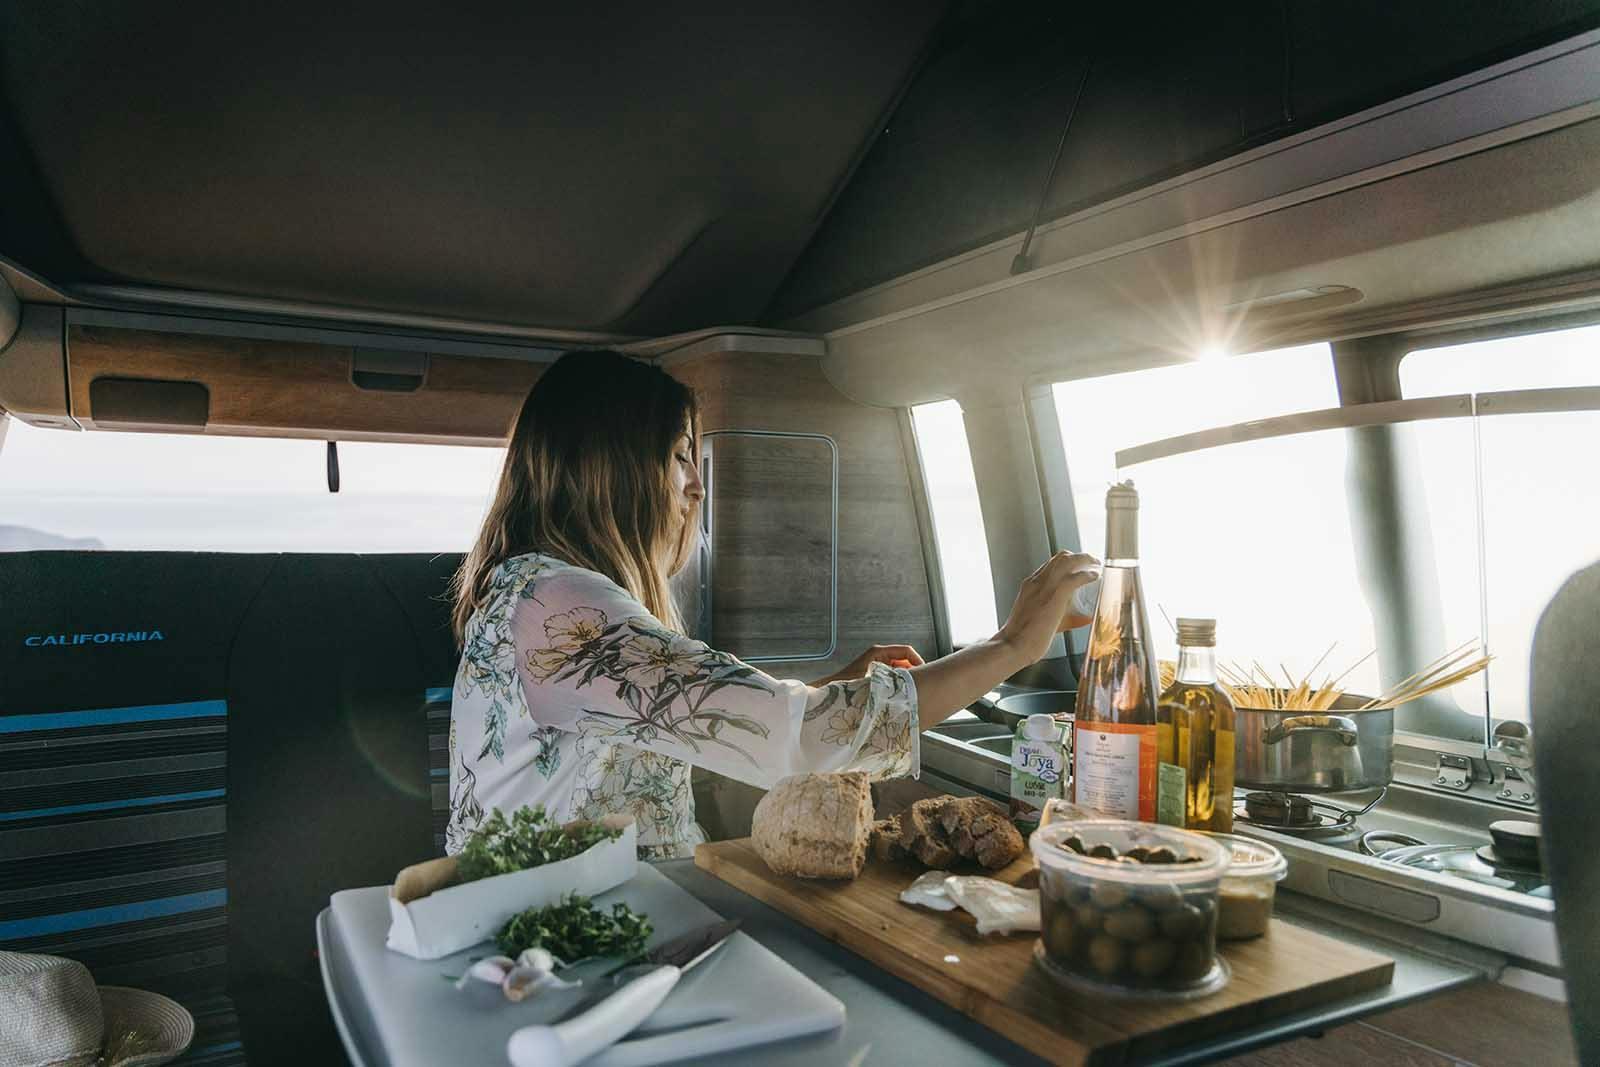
x=1341 y=726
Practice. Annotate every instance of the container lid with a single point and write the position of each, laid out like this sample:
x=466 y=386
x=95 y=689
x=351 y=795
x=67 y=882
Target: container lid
x=1197 y=633
x=1122 y=835
x=1041 y=727
x=1252 y=858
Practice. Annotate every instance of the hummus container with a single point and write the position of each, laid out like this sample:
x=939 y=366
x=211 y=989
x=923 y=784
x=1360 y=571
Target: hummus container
x=1129 y=908
x=1244 y=903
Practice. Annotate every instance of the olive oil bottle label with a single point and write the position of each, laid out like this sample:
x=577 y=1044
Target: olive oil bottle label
x=1171 y=794
x=1114 y=769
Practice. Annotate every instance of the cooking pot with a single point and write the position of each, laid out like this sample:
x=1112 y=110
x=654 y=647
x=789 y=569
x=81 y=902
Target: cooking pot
x=1008 y=711
x=1335 y=751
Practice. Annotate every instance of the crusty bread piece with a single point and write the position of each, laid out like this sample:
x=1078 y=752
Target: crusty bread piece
x=940 y=830
x=886 y=844
x=815 y=825
x=924 y=836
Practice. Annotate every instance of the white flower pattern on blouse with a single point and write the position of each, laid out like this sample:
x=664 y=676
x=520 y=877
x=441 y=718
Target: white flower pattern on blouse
x=571 y=695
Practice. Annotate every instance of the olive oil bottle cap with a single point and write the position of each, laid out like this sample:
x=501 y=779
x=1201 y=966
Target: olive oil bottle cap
x=1200 y=633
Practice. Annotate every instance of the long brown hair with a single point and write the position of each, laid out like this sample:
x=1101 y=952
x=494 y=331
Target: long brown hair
x=586 y=480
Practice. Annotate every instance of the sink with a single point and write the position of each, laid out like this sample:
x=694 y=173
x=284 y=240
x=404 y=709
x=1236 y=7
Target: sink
x=968 y=752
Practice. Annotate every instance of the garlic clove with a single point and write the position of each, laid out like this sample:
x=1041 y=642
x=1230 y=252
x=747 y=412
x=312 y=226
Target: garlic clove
x=489 y=969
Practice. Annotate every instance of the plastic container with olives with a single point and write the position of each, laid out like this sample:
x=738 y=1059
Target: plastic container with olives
x=1129 y=908
x=1244 y=903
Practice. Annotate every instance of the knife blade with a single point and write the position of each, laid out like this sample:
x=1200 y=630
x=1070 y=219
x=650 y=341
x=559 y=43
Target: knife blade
x=685 y=951
x=597 y=1023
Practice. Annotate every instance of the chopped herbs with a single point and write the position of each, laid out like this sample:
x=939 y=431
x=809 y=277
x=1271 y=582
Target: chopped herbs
x=575 y=929
x=527 y=839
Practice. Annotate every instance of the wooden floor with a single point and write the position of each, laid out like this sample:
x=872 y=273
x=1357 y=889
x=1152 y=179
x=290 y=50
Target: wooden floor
x=1483 y=1025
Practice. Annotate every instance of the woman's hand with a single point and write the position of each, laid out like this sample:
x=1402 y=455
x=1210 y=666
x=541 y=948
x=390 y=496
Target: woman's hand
x=1041 y=608
x=893 y=655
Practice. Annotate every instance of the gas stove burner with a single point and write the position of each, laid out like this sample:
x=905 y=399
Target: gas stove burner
x=1301 y=816
x=1504 y=865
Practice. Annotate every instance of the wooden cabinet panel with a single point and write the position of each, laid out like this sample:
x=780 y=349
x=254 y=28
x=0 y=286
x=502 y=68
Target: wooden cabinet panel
x=303 y=389
x=772 y=503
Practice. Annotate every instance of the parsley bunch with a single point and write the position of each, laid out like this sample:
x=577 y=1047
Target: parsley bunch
x=528 y=839
x=575 y=929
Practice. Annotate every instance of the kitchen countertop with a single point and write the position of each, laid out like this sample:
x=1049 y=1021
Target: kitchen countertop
x=891 y=1021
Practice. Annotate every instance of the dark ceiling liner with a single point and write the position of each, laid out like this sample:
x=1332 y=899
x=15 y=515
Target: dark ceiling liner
x=1175 y=87
x=627 y=168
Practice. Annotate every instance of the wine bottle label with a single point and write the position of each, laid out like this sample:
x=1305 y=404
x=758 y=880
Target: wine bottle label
x=1171 y=794
x=1114 y=769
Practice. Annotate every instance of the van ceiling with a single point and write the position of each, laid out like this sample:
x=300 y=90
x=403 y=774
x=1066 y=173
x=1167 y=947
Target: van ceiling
x=632 y=171
x=618 y=168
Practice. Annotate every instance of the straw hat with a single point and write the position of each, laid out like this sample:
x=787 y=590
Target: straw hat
x=53 y=1015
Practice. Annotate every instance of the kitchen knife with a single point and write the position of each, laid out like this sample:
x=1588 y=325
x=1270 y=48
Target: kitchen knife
x=575 y=1039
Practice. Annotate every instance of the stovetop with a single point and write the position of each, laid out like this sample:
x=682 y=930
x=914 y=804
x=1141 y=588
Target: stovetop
x=1511 y=915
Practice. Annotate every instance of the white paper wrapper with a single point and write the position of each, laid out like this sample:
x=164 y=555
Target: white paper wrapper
x=452 y=919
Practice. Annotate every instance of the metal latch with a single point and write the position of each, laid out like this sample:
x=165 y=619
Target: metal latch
x=1517 y=789
x=1454 y=772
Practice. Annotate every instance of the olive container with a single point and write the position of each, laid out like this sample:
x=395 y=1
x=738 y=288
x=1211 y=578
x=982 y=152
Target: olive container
x=1244 y=903
x=1140 y=918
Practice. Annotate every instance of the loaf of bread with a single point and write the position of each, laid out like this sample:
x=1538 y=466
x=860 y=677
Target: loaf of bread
x=815 y=825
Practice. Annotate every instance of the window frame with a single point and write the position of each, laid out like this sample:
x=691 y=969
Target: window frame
x=1367 y=380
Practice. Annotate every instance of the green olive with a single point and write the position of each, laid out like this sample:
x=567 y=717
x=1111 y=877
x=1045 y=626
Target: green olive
x=1139 y=853
x=1060 y=935
x=1103 y=852
x=1153 y=957
x=1161 y=854
x=1193 y=961
x=1160 y=897
x=1086 y=919
x=1131 y=923
x=1074 y=844
x=1183 y=922
x=1108 y=895
x=1107 y=955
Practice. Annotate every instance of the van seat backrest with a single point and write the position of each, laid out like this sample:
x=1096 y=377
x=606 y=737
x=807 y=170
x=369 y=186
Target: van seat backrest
x=114 y=752
x=177 y=808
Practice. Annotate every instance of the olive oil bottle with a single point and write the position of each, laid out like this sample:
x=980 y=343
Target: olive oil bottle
x=1114 y=760
x=1195 y=736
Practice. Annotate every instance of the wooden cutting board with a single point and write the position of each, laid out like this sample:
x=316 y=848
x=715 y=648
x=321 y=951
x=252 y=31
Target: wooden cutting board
x=995 y=981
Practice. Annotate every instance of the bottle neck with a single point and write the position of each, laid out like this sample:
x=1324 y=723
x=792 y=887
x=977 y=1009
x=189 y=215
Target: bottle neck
x=1197 y=663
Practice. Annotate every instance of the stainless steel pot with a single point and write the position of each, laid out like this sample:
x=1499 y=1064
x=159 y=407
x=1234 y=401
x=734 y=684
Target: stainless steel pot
x=1336 y=751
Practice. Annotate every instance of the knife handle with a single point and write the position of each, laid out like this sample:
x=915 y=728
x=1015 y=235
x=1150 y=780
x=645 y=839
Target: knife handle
x=608 y=1022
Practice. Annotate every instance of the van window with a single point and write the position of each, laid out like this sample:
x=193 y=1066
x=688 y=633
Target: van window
x=957 y=521
x=1533 y=481
x=148 y=491
x=1101 y=416
x=1254 y=534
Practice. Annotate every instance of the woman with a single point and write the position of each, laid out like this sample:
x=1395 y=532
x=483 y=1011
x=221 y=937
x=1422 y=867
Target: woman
x=577 y=689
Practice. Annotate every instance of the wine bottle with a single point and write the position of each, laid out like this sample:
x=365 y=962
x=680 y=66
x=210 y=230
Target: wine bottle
x=1114 y=757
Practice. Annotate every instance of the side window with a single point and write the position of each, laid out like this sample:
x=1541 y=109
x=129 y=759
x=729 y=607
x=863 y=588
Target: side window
x=145 y=491
x=1256 y=534
x=1530 y=493
x=957 y=521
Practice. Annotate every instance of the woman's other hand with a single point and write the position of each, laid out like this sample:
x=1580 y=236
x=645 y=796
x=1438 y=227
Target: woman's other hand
x=893 y=655
x=1042 y=607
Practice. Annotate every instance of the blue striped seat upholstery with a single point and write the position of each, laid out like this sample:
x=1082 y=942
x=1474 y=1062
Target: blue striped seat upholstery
x=114 y=851
x=436 y=710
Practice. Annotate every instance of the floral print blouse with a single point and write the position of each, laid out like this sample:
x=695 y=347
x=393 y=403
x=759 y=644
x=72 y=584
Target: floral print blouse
x=571 y=695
